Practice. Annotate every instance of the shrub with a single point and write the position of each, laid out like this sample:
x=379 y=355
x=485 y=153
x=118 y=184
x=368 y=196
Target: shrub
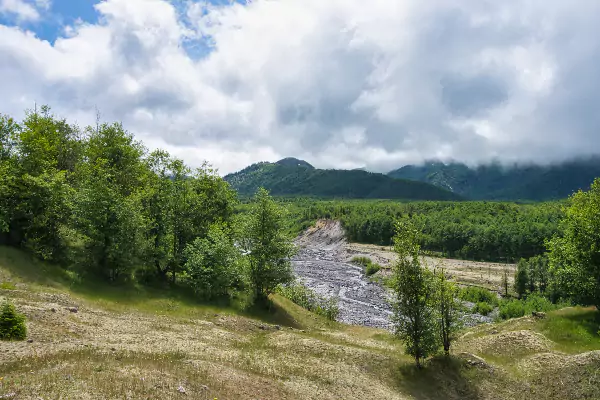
x=308 y=299
x=483 y=308
x=519 y=308
x=214 y=267
x=475 y=294
x=364 y=261
x=370 y=267
x=12 y=323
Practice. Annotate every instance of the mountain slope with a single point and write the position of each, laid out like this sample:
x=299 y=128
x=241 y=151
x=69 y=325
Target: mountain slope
x=292 y=177
x=495 y=182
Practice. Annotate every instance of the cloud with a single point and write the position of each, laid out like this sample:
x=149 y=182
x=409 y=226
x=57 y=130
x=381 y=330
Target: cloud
x=341 y=83
x=22 y=10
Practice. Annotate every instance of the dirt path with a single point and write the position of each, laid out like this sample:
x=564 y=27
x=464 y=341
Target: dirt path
x=322 y=264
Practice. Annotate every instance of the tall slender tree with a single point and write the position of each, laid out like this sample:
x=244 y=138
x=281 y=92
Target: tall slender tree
x=413 y=284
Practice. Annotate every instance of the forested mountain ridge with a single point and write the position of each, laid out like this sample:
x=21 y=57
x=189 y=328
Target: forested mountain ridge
x=293 y=177
x=496 y=182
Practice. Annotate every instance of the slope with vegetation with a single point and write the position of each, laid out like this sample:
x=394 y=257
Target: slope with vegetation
x=497 y=182
x=292 y=177
x=138 y=342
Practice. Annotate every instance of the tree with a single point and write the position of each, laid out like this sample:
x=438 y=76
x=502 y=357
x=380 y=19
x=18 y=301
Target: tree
x=108 y=203
x=268 y=248
x=12 y=323
x=446 y=294
x=413 y=286
x=215 y=266
x=505 y=281
x=575 y=255
x=522 y=278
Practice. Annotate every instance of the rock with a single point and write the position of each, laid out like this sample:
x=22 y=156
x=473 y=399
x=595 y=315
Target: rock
x=494 y=331
x=53 y=309
x=262 y=327
x=278 y=327
x=73 y=309
x=538 y=314
x=29 y=340
x=113 y=349
x=181 y=389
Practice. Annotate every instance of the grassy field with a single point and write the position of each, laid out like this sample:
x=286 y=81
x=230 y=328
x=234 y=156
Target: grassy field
x=140 y=343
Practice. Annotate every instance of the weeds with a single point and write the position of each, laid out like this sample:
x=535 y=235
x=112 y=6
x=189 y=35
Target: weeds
x=308 y=299
x=370 y=267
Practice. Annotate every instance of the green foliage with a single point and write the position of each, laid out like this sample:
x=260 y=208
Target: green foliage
x=574 y=329
x=268 y=248
x=97 y=201
x=447 y=307
x=475 y=294
x=414 y=296
x=371 y=268
x=497 y=182
x=291 y=177
x=469 y=230
x=308 y=299
x=516 y=308
x=522 y=278
x=12 y=323
x=214 y=266
x=483 y=308
x=575 y=255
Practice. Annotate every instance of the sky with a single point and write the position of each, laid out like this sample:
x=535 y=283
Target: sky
x=339 y=83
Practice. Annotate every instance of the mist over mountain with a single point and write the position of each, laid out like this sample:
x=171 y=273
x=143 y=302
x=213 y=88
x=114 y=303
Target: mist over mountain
x=501 y=182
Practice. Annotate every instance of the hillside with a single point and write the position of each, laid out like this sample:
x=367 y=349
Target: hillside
x=151 y=344
x=495 y=182
x=292 y=177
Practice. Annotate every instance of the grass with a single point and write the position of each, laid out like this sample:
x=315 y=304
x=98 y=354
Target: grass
x=370 y=267
x=310 y=300
x=574 y=329
x=138 y=342
x=515 y=308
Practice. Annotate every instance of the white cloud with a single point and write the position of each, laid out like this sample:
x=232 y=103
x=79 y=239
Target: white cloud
x=22 y=10
x=340 y=83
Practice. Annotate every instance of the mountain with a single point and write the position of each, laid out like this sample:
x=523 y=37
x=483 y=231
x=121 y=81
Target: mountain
x=497 y=182
x=293 y=177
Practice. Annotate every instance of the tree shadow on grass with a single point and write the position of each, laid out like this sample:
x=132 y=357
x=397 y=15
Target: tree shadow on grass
x=442 y=378
x=155 y=297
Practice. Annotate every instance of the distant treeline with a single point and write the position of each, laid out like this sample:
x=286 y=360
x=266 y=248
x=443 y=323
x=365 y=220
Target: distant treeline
x=490 y=231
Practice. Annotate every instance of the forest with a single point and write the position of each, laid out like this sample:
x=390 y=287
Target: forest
x=97 y=202
x=476 y=230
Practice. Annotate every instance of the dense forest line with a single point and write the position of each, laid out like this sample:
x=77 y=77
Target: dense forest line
x=95 y=201
x=487 y=231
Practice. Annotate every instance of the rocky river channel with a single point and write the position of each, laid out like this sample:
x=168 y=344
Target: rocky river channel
x=323 y=265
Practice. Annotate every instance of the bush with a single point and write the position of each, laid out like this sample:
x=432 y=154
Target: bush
x=214 y=267
x=519 y=308
x=483 y=308
x=308 y=299
x=475 y=294
x=370 y=267
x=12 y=324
